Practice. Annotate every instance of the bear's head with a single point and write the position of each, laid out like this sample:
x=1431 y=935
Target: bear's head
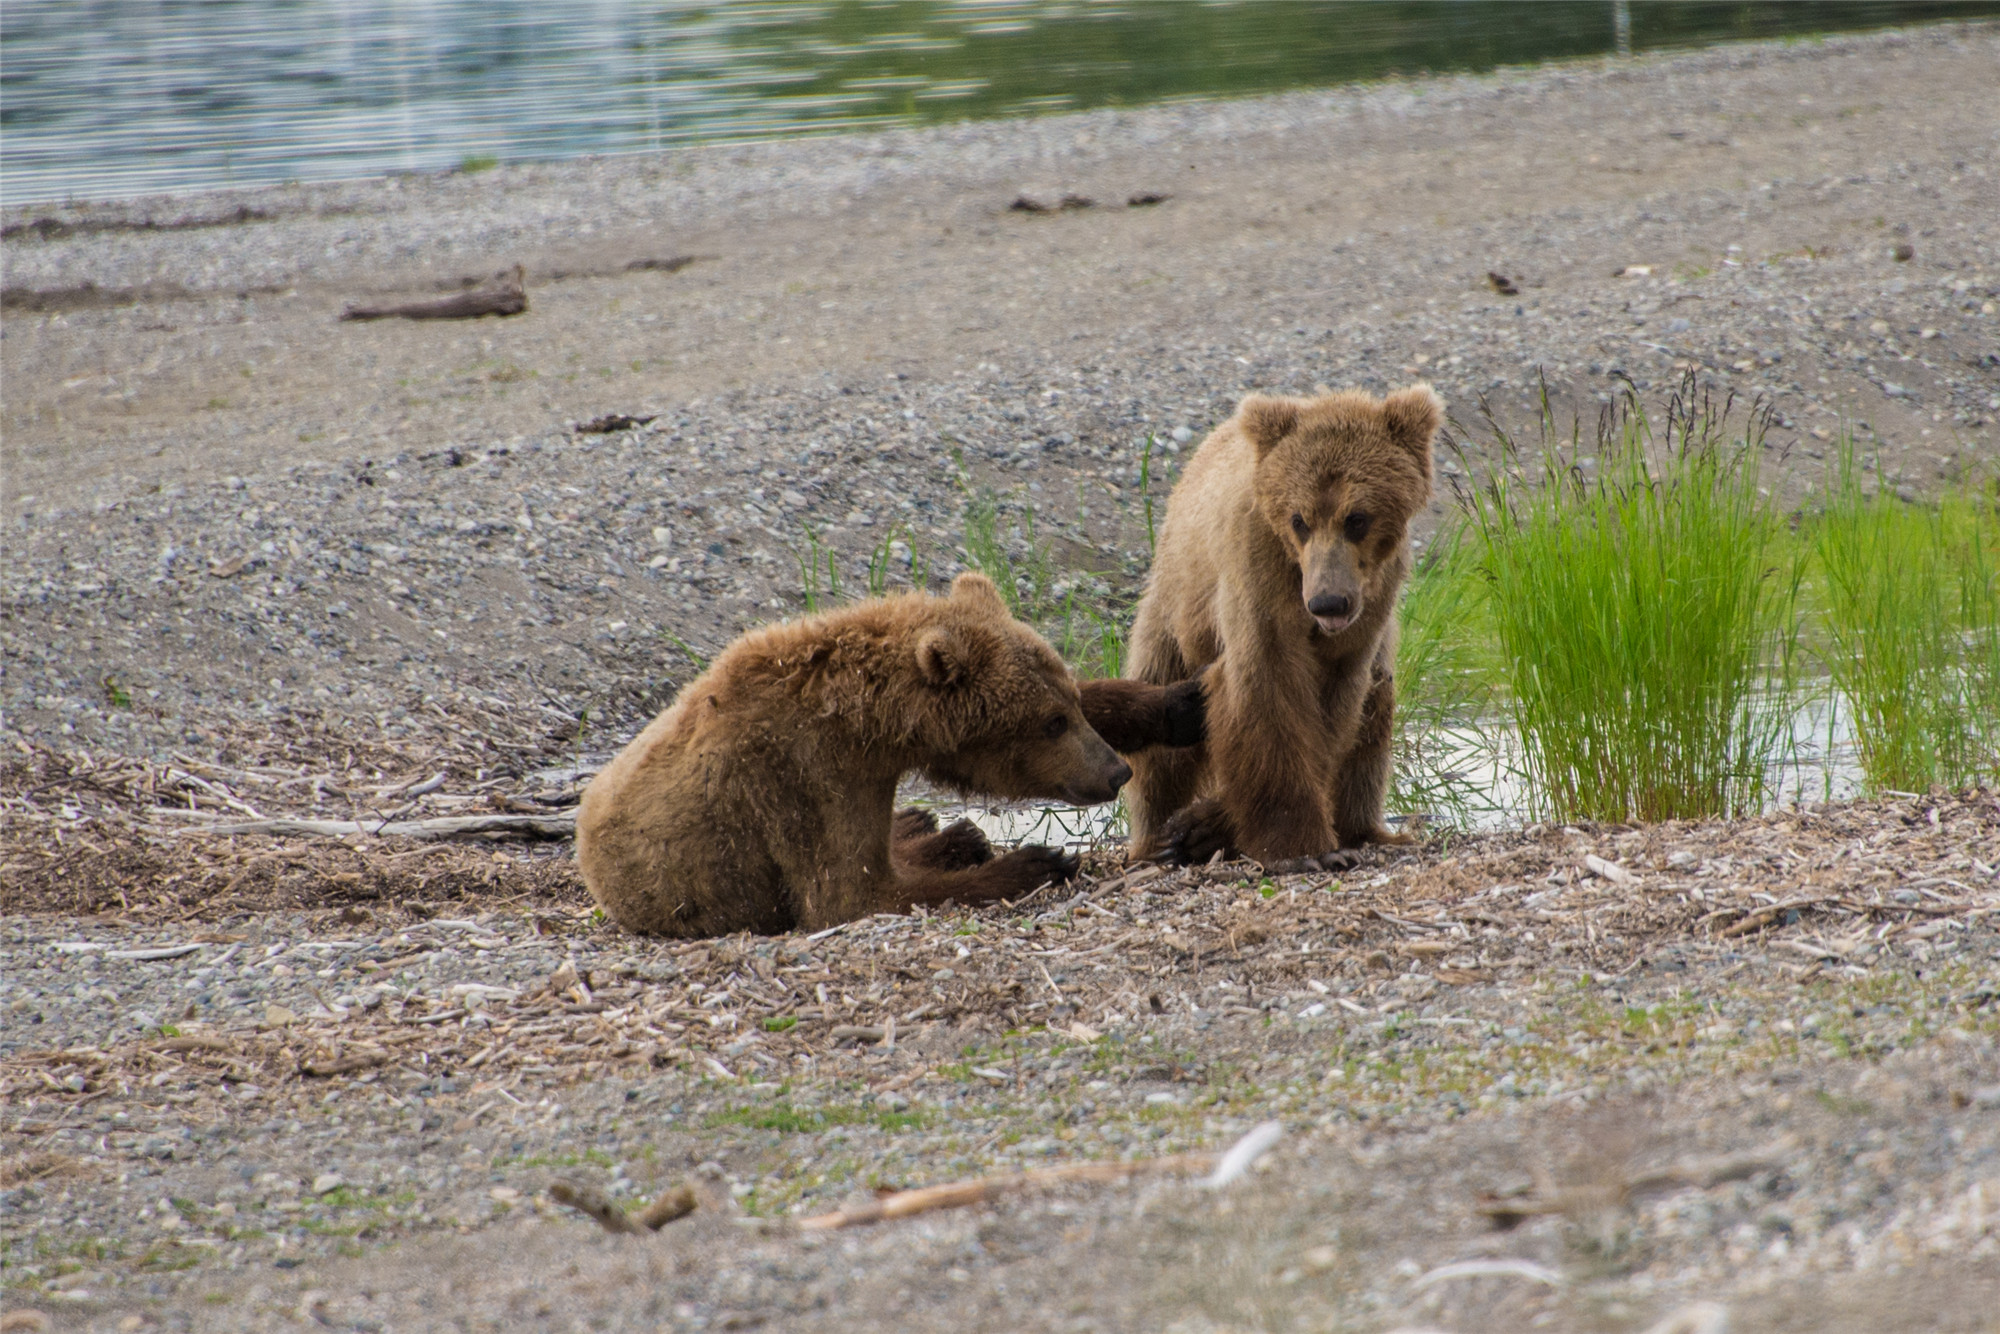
x=1339 y=477
x=1005 y=716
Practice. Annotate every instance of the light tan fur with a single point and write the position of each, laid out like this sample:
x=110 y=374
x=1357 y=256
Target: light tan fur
x=762 y=799
x=1260 y=583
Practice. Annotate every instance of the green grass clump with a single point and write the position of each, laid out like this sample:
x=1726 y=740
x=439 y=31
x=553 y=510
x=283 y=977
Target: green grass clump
x=1646 y=615
x=1910 y=605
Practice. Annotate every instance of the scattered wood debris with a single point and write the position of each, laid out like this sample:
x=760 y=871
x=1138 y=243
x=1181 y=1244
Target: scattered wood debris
x=1147 y=198
x=1502 y=284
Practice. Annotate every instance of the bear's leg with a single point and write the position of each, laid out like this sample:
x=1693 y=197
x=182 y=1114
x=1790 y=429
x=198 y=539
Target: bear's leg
x=1134 y=715
x=955 y=847
x=1012 y=876
x=1263 y=749
x=1164 y=779
x=1362 y=785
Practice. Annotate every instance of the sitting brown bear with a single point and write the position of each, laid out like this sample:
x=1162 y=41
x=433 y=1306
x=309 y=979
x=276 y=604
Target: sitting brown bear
x=1285 y=546
x=763 y=799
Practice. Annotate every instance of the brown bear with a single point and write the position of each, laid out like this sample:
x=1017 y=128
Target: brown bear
x=763 y=798
x=1284 y=547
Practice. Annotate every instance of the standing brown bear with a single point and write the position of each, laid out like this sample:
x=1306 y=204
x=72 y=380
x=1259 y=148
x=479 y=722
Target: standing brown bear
x=1285 y=544
x=763 y=799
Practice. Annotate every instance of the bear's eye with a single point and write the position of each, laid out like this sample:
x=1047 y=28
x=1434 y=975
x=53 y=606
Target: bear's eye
x=1055 y=727
x=1300 y=527
x=1356 y=526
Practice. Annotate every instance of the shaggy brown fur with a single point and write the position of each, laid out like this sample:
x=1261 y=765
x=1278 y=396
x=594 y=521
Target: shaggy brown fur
x=1284 y=548
x=762 y=800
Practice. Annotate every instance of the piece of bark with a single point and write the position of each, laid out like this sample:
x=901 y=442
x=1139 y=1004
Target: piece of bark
x=555 y=826
x=958 y=1194
x=588 y=1199
x=677 y=1202
x=506 y=294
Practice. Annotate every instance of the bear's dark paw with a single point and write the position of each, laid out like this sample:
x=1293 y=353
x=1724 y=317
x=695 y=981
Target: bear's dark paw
x=959 y=846
x=912 y=822
x=1340 y=859
x=1185 y=717
x=1195 y=833
x=1027 y=869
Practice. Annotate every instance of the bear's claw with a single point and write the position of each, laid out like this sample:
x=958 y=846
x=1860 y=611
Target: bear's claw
x=1195 y=834
x=912 y=822
x=959 y=846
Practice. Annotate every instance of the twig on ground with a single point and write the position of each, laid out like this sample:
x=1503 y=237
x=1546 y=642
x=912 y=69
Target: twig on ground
x=958 y=1194
x=677 y=1202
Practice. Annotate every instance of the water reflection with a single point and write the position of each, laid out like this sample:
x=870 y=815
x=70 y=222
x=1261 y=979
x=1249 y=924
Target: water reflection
x=123 y=97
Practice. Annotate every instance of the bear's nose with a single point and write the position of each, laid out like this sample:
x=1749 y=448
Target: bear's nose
x=1329 y=605
x=1118 y=775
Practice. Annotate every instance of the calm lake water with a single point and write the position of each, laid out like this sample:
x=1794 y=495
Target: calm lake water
x=120 y=97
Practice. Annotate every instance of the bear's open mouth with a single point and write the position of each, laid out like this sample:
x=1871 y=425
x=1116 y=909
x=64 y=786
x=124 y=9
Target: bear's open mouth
x=1333 y=625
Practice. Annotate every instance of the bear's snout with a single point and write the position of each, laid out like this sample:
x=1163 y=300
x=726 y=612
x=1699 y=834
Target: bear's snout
x=1114 y=776
x=1332 y=612
x=1330 y=608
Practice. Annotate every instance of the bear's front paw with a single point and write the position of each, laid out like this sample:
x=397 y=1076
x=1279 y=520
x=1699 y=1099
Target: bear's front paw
x=1027 y=869
x=1194 y=834
x=958 y=846
x=912 y=822
x=1185 y=717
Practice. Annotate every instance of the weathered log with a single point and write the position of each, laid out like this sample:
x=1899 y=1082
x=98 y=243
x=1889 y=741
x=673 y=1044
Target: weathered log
x=553 y=826
x=506 y=294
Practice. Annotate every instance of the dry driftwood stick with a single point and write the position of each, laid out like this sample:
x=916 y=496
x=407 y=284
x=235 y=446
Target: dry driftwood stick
x=678 y=1202
x=588 y=1199
x=505 y=294
x=446 y=826
x=958 y=1194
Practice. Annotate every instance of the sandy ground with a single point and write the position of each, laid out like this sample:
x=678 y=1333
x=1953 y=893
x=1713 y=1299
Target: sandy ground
x=260 y=562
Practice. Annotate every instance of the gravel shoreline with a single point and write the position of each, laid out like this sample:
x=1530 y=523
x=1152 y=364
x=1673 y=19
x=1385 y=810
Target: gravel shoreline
x=376 y=523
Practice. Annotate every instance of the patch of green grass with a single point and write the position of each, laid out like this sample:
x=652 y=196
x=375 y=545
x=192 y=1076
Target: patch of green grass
x=779 y=1023
x=819 y=571
x=474 y=163
x=787 y=1119
x=1910 y=603
x=1026 y=582
x=1644 y=597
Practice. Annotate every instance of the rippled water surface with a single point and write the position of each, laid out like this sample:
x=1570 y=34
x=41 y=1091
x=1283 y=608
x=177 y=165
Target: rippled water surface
x=125 y=97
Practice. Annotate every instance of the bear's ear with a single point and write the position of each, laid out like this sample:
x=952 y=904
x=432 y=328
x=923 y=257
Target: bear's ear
x=1266 y=420
x=943 y=656
x=1413 y=417
x=977 y=591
